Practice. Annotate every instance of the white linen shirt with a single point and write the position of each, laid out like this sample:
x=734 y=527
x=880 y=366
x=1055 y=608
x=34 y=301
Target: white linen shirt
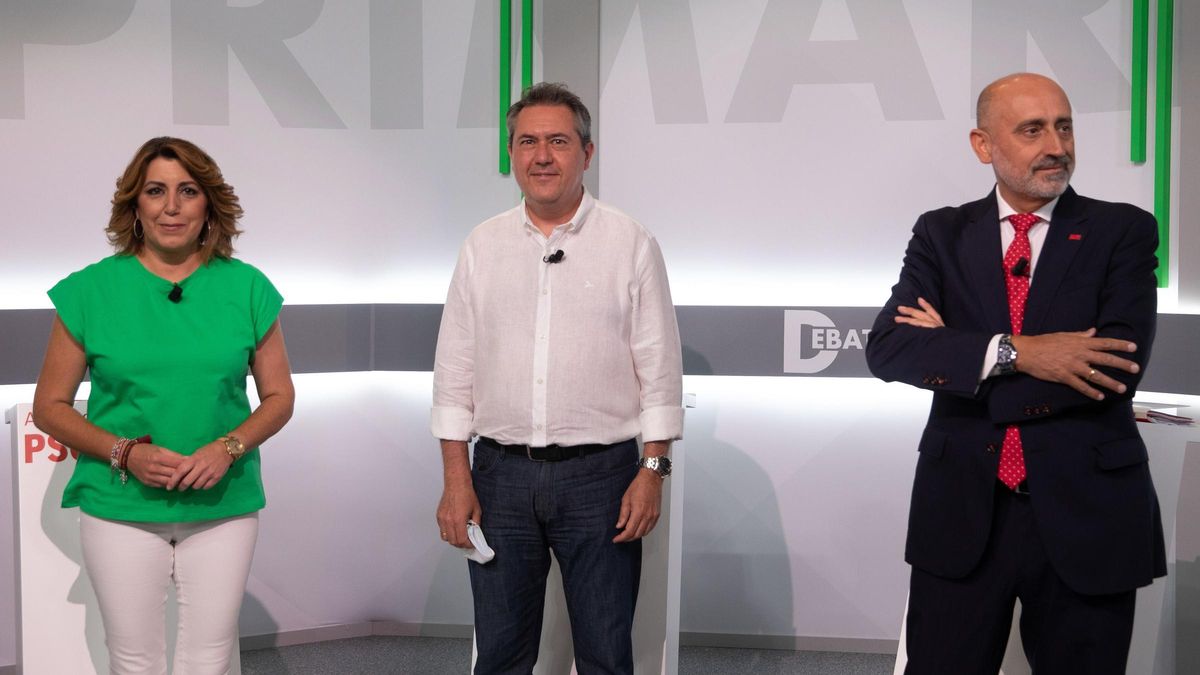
x=585 y=350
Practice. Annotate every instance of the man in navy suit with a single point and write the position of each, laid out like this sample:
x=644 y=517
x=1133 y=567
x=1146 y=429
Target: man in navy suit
x=1030 y=314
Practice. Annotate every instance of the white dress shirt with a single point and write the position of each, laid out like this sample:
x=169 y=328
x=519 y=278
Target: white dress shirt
x=1037 y=237
x=585 y=350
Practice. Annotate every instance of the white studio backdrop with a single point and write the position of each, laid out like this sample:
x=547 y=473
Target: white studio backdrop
x=341 y=213
x=798 y=487
x=763 y=189
x=792 y=145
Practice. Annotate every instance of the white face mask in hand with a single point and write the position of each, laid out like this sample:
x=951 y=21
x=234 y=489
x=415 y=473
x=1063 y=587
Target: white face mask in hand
x=482 y=553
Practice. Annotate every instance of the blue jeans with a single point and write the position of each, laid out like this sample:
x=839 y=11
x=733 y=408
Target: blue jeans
x=571 y=508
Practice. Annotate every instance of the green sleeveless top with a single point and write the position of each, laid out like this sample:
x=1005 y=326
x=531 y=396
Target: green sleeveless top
x=176 y=371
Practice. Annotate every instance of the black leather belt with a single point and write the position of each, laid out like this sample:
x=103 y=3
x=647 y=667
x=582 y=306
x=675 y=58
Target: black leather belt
x=549 y=453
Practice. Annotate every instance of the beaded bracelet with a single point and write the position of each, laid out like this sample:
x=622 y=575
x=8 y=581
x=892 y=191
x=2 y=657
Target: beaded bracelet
x=119 y=455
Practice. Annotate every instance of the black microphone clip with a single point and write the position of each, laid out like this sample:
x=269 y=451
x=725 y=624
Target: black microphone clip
x=176 y=294
x=552 y=258
x=1021 y=269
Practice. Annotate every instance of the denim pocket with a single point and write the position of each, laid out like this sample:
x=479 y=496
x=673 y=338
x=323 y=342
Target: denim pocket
x=485 y=459
x=620 y=458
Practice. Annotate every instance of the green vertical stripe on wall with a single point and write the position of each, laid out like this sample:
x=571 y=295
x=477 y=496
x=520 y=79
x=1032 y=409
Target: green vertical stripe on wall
x=526 y=44
x=1140 y=66
x=1162 y=135
x=505 y=88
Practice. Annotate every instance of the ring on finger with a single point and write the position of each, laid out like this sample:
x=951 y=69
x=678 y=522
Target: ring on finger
x=1091 y=373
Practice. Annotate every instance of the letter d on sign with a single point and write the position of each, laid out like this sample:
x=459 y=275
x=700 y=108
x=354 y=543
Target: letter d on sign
x=794 y=321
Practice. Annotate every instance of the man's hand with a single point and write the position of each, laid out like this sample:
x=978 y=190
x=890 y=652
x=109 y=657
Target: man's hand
x=459 y=502
x=1072 y=358
x=925 y=317
x=640 y=506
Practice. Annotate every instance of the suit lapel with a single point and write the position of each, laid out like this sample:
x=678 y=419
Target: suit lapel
x=984 y=262
x=1068 y=228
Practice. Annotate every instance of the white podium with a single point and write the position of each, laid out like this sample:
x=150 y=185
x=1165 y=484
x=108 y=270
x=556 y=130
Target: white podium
x=656 y=618
x=59 y=629
x=58 y=622
x=1169 y=608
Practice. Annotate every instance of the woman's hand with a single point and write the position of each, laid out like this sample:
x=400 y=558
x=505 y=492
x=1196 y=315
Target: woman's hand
x=202 y=469
x=153 y=465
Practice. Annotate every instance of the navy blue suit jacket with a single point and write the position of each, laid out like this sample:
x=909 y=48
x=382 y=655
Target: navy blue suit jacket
x=1092 y=497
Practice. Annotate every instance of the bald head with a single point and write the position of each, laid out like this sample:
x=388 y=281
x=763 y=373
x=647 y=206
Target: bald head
x=1026 y=133
x=1010 y=86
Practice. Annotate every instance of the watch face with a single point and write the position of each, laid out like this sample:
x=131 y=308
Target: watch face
x=1006 y=356
x=659 y=465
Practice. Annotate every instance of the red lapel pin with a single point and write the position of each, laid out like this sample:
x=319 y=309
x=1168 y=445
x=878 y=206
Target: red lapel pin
x=1075 y=236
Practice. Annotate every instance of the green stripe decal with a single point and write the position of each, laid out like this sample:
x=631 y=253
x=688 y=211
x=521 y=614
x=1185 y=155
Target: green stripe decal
x=505 y=88
x=1137 y=97
x=526 y=44
x=506 y=68
x=1162 y=136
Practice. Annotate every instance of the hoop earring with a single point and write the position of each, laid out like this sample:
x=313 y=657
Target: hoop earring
x=138 y=230
x=203 y=234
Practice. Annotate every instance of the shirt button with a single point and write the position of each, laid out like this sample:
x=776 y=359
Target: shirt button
x=545 y=291
x=538 y=427
x=539 y=380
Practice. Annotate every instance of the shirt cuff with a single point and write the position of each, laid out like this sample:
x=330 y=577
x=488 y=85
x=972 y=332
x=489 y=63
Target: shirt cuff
x=664 y=423
x=990 y=357
x=451 y=424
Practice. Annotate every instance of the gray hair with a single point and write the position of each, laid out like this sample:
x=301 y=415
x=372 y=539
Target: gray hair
x=552 y=93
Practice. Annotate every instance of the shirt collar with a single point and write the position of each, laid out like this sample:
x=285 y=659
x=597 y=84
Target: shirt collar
x=574 y=224
x=1044 y=213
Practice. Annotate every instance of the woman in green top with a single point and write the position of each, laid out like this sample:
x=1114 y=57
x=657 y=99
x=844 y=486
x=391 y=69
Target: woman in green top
x=167 y=480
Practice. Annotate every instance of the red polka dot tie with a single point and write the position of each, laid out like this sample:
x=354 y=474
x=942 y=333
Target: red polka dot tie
x=1012 y=457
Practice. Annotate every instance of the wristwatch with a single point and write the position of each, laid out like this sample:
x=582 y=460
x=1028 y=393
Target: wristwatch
x=233 y=446
x=659 y=465
x=1006 y=356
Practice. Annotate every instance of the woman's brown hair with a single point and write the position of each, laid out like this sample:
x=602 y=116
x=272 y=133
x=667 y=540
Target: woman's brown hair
x=224 y=211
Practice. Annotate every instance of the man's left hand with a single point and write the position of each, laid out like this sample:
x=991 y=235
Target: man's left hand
x=640 y=507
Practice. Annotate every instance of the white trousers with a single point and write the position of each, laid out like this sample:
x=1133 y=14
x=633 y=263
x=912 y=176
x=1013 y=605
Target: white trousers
x=130 y=565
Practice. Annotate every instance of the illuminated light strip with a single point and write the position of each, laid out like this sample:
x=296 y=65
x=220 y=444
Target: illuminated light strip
x=505 y=80
x=526 y=44
x=505 y=98
x=1140 y=66
x=1162 y=136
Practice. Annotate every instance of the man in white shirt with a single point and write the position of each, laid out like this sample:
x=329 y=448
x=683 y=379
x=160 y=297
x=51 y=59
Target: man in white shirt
x=558 y=347
x=1029 y=314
